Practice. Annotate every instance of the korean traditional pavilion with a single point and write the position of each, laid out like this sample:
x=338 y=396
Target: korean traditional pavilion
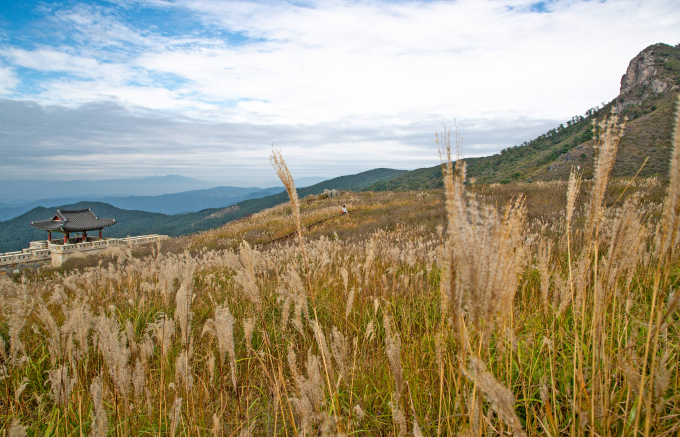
x=75 y=220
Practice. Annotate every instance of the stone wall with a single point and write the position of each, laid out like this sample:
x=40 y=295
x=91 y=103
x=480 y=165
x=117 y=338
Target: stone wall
x=58 y=253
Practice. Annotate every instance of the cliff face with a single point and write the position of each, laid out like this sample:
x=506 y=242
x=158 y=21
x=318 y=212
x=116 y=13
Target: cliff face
x=655 y=70
x=641 y=71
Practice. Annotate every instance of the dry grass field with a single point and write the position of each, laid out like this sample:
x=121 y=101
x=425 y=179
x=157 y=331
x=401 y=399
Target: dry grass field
x=518 y=309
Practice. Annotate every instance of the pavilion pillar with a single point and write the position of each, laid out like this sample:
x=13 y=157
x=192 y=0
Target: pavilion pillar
x=49 y=236
x=84 y=239
x=100 y=234
x=66 y=237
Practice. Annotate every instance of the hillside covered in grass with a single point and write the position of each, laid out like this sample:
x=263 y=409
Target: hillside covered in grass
x=647 y=101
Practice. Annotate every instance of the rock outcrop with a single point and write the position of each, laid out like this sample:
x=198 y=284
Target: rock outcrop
x=647 y=75
x=640 y=70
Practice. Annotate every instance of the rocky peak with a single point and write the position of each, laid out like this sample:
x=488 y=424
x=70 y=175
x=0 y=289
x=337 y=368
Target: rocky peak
x=653 y=73
x=643 y=70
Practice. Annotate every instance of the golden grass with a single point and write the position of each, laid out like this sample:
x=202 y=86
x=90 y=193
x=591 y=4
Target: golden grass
x=483 y=310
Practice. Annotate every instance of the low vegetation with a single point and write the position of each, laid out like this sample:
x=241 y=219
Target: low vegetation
x=527 y=309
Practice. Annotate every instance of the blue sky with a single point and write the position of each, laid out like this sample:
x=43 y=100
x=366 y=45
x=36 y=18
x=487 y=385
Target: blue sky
x=203 y=88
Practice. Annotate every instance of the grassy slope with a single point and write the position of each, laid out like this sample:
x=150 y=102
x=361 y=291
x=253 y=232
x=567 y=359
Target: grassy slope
x=352 y=182
x=16 y=233
x=551 y=156
x=531 y=353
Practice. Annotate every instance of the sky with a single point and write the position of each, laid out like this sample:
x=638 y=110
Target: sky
x=203 y=88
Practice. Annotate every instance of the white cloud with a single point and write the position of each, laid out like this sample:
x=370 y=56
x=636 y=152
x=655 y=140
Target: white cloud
x=8 y=80
x=385 y=73
x=459 y=58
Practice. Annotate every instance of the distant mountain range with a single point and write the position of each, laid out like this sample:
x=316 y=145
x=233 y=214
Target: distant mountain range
x=16 y=233
x=171 y=203
x=23 y=191
x=188 y=201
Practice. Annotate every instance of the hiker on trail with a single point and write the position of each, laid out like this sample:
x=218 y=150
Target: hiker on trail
x=344 y=210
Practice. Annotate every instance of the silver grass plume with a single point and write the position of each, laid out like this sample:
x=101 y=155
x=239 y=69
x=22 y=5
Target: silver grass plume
x=398 y=417
x=175 y=416
x=451 y=296
x=16 y=429
x=345 y=277
x=293 y=294
x=184 y=299
x=248 y=327
x=370 y=257
x=53 y=335
x=283 y=173
x=358 y=412
x=572 y=195
x=323 y=347
x=222 y=327
x=285 y=298
x=61 y=385
x=58 y=296
x=146 y=348
x=339 y=348
x=609 y=135
x=139 y=380
x=76 y=327
x=416 y=429
x=163 y=329
x=113 y=347
x=217 y=426
x=277 y=161
x=544 y=258
x=100 y=420
x=130 y=334
x=662 y=377
x=310 y=402
x=149 y=406
x=183 y=373
x=210 y=363
x=370 y=331
x=393 y=351
x=292 y=361
x=628 y=236
x=17 y=306
x=350 y=302
x=329 y=426
x=20 y=389
x=501 y=398
x=245 y=274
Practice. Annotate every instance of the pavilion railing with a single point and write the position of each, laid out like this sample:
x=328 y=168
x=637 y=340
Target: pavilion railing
x=43 y=250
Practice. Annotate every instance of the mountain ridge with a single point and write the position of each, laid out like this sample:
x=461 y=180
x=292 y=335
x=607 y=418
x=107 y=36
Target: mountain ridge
x=26 y=190
x=174 y=203
x=646 y=99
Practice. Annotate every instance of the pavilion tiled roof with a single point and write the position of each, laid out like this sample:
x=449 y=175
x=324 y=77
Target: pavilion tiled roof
x=75 y=220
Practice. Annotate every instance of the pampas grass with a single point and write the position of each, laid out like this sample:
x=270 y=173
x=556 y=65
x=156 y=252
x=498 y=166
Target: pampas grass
x=525 y=309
